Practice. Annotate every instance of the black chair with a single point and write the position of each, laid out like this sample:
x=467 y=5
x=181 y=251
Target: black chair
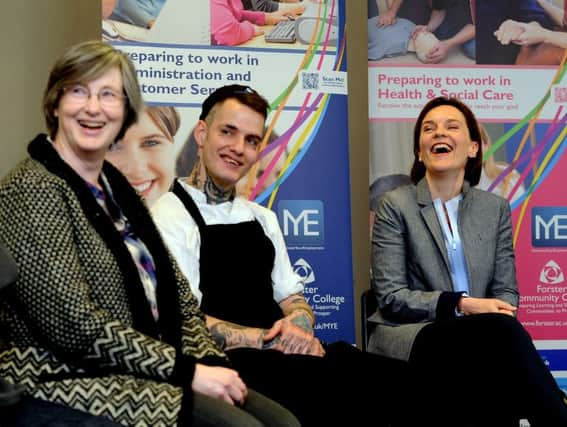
x=9 y=394
x=368 y=305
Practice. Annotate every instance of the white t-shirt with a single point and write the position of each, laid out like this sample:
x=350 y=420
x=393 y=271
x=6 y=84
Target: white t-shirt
x=181 y=234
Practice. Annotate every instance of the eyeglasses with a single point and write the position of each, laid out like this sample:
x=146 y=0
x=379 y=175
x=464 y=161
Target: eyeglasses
x=108 y=98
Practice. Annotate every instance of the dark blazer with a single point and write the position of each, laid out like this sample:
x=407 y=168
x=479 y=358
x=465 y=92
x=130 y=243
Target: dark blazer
x=410 y=264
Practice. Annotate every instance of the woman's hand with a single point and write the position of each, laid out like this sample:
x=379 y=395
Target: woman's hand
x=219 y=383
x=272 y=18
x=509 y=31
x=418 y=29
x=292 y=9
x=470 y=305
x=438 y=52
x=258 y=31
x=533 y=34
x=385 y=19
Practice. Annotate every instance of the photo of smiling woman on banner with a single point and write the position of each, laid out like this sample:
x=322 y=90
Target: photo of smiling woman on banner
x=146 y=154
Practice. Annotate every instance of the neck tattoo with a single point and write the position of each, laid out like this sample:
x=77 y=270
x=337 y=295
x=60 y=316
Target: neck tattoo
x=216 y=195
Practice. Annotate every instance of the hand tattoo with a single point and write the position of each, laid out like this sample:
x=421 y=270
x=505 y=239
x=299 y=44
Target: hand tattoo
x=303 y=321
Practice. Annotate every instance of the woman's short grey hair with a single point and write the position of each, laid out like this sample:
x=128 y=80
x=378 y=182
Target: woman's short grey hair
x=82 y=63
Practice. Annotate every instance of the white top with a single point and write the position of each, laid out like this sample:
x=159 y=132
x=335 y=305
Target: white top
x=181 y=234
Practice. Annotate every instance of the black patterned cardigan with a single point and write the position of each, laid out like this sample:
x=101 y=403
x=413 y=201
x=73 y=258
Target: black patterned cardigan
x=76 y=327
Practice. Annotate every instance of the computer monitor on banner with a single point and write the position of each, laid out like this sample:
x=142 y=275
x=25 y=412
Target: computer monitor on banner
x=183 y=22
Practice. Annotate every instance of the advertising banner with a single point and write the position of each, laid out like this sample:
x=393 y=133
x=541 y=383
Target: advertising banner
x=492 y=56
x=184 y=50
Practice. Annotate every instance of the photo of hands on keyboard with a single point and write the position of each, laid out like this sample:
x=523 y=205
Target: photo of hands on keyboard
x=283 y=32
x=301 y=28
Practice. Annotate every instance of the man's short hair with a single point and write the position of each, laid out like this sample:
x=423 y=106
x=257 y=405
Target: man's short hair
x=243 y=94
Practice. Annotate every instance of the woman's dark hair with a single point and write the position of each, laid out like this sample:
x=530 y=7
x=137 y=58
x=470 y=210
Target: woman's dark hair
x=473 y=168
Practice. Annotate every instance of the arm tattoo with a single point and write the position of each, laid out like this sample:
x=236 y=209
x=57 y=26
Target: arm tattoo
x=229 y=335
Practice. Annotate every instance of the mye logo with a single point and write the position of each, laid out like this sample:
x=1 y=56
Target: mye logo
x=302 y=222
x=549 y=226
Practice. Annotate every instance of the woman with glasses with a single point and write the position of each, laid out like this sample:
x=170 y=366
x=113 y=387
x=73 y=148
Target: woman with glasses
x=100 y=318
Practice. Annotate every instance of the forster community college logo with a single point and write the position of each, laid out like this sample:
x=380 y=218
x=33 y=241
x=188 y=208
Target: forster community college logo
x=551 y=274
x=304 y=270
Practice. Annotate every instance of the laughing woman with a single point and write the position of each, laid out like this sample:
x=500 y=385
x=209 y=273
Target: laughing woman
x=100 y=318
x=445 y=279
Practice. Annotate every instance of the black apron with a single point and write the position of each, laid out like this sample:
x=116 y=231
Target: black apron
x=236 y=263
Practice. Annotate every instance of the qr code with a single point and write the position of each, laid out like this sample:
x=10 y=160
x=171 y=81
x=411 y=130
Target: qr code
x=310 y=81
x=560 y=94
